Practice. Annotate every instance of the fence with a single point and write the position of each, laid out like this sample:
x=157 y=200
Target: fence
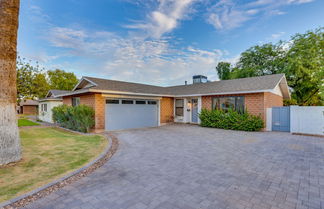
x=302 y=119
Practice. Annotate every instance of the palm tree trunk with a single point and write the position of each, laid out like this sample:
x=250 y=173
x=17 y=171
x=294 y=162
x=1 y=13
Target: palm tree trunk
x=9 y=133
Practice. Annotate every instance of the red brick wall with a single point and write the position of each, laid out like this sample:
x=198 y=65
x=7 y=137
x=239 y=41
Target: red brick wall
x=67 y=100
x=96 y=101
x=29 y=109
x=255 y=104
x=206 y=102
x=272 y=100
x=100 y=103
x=166 y=109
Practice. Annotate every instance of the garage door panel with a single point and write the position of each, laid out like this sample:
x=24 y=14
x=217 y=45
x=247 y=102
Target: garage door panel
x=124 y=116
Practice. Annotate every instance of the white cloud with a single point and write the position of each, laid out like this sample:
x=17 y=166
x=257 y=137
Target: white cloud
x=230 y=14
x=226 y=15
x=42 y=57
x=299 y=1
x=153 y=61
x=276 y=36
x=165 y=18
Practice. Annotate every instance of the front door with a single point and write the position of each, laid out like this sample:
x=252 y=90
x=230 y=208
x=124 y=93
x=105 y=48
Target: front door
x=194 y=111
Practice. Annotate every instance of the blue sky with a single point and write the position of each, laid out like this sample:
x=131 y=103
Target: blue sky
x=162 y=42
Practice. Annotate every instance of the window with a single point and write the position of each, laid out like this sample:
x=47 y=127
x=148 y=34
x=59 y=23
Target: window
x=75 y=101
x=127 y=102
x=225 y=103
x=151 y=102
x=179 y=107
x=112 y=101
x=140 y=102
x=44 y=107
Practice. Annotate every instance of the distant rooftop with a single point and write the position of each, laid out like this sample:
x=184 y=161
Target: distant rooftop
x=27 y=102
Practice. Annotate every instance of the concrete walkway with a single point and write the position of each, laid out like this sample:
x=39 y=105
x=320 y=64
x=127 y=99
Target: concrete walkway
x=186 y=166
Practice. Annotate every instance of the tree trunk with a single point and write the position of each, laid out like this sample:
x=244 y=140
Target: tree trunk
x=9 y=133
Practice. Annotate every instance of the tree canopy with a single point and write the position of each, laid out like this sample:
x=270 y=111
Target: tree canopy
x=61 y=80
x=34 y=82
x=224 y=70
x=301 y=59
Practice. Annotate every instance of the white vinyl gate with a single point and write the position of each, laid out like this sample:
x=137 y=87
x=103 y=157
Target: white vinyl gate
x=130 y=113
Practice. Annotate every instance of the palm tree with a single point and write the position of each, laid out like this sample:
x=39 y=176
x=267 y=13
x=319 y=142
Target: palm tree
x=9 y=133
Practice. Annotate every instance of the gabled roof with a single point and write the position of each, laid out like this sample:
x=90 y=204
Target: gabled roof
x=235 y=86
x=113 y=85
x=243 y=85
x=28 y=102
x=54 y=93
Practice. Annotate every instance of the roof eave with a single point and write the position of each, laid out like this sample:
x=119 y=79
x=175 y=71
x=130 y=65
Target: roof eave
x=50 y=99
x=83 y=78
x=224 y=93
x=283 y=85
x=161 y=95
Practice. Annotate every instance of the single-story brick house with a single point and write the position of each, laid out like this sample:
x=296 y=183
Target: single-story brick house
x=28 y=107
x=122 y=105
x=46 y=104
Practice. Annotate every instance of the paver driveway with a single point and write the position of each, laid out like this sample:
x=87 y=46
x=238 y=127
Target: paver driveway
x=186 y=166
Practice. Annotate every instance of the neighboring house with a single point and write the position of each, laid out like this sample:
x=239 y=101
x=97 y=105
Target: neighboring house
x=28 y=107
x=121 y=105
x=46 y=105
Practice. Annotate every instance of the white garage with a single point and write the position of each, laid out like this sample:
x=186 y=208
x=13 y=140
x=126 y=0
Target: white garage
x=131 y=113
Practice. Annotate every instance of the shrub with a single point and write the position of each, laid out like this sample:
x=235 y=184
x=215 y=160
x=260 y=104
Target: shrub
x=78 y=118
x=230 y=120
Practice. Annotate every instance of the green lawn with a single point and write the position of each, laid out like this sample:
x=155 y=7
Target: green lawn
x=25 y=122
x=48 y=153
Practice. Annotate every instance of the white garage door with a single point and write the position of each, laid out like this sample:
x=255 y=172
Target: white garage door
x=129 y=113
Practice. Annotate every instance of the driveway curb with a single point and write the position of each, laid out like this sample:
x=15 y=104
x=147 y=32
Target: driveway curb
x=47 y=189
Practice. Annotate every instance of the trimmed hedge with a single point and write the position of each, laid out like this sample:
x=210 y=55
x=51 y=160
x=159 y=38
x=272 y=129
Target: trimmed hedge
x=78 y=118
x=230 y=120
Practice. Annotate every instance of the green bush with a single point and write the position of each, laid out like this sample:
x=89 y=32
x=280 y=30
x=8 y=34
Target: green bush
x=230 y=120
x=78 y=118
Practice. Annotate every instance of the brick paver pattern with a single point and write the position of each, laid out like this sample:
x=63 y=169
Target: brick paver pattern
x=187 y=166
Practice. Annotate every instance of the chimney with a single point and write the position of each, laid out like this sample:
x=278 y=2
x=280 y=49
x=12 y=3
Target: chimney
x=199 y=79
x=185 y=82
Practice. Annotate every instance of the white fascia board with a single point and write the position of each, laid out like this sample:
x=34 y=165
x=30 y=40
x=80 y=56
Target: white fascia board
x=77 y=84
x=93 y=83
x=159 y=95
x=47 y=93
x=225 y=93
x=73 y=93
x=123 y=96
x=83 y=78
x=49 y=99
x=286 y=85
x=128 y=93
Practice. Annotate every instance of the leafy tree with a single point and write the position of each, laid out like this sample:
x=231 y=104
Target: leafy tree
x=24 y=78
x=260 y=60
x=224 y=70
x=305 y=67
x=40 y=85
x=59 y=79
x=301 y=59
x=31 y=80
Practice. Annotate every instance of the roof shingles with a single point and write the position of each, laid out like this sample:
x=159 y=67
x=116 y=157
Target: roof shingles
x=252 y=84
